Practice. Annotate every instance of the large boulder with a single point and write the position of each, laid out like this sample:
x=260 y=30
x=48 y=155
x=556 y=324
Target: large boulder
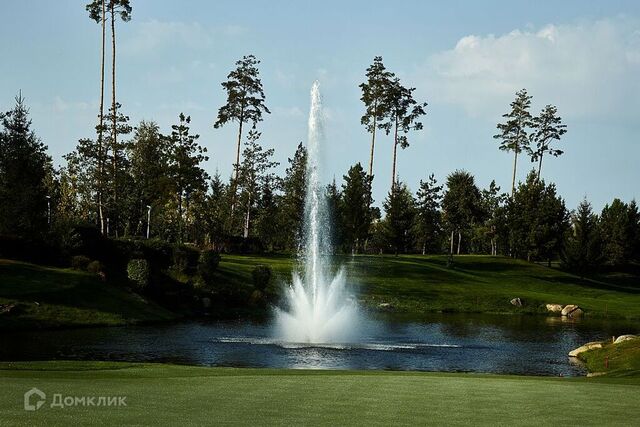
x=517 y=302
x=623 y=338
x=588 y=346
x=554 y=308
x=572 y=311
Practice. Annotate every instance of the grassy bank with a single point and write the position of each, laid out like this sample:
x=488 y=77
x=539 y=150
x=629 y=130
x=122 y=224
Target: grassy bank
x=165 y=394
x=53 y=297
x=615 y=360
x=409 y=286
x=414 y=285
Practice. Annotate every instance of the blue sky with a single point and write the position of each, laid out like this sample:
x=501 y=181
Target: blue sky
x=466 y=59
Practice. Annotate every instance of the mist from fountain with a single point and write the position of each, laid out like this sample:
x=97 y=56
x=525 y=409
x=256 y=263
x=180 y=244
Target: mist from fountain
x=319 y=308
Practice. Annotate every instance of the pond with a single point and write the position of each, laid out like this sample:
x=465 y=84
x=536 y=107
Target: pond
x=531 y=345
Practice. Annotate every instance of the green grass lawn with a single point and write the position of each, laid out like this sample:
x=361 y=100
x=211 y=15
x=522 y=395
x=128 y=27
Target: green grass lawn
x=179 y=395
x=53 y=297
x=415 y=284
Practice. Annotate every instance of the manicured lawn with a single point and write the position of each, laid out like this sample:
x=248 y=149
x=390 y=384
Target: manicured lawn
x=178 y=395
x=53 y=297
x=415 y=285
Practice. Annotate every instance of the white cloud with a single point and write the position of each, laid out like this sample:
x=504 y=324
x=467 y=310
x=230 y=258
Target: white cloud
x=288 y=112
x=59 y=105
x=588 y=69
x=153 y=35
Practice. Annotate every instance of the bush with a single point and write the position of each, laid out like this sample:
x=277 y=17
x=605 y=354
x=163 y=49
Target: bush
x=80 y=262
x=208 y=264
x=138 y=272
x=157 y=252
x=95 y=267
x=261 y=277
x=185 y=259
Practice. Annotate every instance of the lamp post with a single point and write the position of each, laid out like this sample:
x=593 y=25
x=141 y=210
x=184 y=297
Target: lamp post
x=49 y=210
x=148 y=219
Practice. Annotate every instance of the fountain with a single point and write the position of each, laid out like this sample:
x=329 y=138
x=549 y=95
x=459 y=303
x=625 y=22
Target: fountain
x=319 y=308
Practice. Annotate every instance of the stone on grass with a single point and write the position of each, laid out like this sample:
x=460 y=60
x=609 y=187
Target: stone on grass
x=386 y=306
x=7 y=308
x=554 y=308
x=623 y=338
x=517 y=302
x=588 y=346
x=572 y=311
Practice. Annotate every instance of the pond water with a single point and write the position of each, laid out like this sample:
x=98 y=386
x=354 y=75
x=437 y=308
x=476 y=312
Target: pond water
x=532 y=345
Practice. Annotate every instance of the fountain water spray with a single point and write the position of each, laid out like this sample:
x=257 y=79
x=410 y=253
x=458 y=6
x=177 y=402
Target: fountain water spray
x=319 y=310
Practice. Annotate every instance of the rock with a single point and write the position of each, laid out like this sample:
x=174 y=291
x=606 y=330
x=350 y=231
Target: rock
x=385 y=306
x=7 y=308
x=623 y=338
x=517 y=302
x=588 y=346
x=554 y=308
x=572 y=311
x=206 y=302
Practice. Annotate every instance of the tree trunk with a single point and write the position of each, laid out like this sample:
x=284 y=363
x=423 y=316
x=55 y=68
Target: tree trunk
x=451 y=249
x=180 y=217
x=247 y=218
x=424 y=248
x=459 y=241
x=236 y=171
x=101 y=120
x=513 y=180
x=539 y=166
x=114 y=118
x=395 y=153
x=373 y=141
x=237 y=165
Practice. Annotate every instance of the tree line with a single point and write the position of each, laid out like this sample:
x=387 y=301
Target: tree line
x=138 y=181
x=168 y=195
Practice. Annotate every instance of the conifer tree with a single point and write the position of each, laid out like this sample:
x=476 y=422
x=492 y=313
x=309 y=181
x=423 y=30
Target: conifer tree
x=514 y=132
x=547 y=127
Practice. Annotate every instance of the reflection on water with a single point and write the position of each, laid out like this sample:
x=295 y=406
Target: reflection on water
x=479 y=343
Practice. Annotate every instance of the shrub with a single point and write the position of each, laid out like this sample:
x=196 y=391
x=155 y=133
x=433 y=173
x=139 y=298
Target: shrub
x=95 y=267
x=208 y=264
x=138 y=272
x=157 y=252
x=185 y=259
x=261 y=276
x=80 y=262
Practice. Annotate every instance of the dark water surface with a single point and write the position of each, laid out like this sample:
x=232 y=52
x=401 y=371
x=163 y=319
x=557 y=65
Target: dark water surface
x=533 y=345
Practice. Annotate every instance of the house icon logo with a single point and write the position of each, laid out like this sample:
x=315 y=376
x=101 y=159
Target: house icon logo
x=34 y=399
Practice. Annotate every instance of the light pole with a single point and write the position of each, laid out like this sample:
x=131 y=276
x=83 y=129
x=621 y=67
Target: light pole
x=49 y=210
x=148 y=219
